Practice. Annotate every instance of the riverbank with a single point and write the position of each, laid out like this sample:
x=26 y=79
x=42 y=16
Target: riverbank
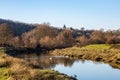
x=13 y=69
x=98 y=52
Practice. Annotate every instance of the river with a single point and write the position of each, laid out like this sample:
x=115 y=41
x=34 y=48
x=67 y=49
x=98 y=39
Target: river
x=81 y=69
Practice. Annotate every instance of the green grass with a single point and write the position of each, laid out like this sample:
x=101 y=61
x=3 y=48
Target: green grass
x=4 y=74
x=98 y=46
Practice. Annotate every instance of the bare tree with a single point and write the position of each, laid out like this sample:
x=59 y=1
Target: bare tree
x=5 y=34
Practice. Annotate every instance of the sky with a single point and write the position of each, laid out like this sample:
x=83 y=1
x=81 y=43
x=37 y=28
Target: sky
x=90 y=14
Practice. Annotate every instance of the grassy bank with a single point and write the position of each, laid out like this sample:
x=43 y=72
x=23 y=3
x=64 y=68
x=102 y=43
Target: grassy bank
x=16 y=69
x=103 y=52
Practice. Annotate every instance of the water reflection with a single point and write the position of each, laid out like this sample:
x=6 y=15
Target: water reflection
x=83 y=70
x=45 y=60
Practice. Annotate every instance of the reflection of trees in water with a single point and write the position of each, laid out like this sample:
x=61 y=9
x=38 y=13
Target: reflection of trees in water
x=82 y=61
x=44 y=61
x=62 y=60
x=66 y=61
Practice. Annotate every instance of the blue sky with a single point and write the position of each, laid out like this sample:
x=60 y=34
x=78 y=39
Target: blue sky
x=91 y=14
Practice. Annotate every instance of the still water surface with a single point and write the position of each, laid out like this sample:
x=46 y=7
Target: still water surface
x=83 y=70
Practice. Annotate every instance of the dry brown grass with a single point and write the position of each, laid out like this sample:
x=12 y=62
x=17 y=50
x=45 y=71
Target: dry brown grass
x=18 y=69
x=102 y=53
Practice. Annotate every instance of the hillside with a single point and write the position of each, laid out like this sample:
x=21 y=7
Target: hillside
x=18 y=27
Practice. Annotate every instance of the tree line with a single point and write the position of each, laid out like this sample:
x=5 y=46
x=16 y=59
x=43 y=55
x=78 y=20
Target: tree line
x=49 y=37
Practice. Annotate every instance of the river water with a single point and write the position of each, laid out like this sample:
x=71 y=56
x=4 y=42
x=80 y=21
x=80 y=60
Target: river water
x=82 y=70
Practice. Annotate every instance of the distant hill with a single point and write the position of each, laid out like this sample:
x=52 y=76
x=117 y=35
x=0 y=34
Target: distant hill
x=18 y=27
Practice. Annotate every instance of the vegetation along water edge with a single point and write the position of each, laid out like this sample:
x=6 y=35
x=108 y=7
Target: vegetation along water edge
x=12 y=68
x=107 y=53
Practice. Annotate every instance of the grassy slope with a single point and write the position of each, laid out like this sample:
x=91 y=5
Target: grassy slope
x=96 y=52
x=96 y=46
x=14 y=69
